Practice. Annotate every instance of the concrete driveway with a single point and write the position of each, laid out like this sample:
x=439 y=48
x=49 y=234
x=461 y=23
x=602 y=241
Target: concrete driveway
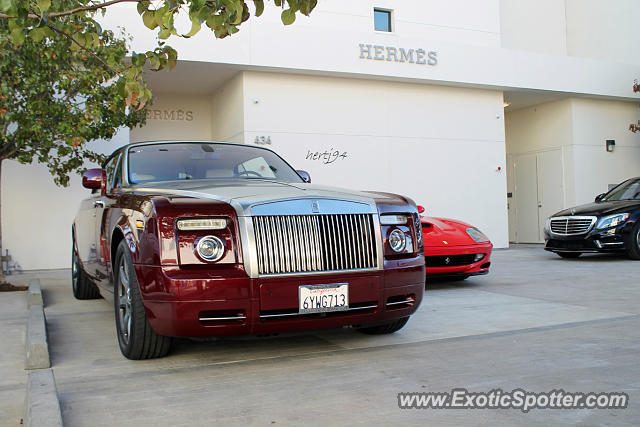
x=536 y=322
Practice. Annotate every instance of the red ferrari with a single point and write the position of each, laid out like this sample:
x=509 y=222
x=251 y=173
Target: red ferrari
x=454 y=249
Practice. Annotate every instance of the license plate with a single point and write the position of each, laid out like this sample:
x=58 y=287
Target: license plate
x=323 y=298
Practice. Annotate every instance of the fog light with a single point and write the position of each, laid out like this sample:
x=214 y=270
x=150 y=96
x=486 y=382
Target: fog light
x=397 y=240
x=478 y=257
x=210 y=248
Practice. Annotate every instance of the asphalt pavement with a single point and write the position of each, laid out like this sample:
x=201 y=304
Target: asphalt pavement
x=536 y=322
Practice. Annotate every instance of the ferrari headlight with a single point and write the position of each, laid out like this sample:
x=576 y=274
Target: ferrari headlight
x=612 y=220
x=477 y=235
x=210 y=248
x=397 y=240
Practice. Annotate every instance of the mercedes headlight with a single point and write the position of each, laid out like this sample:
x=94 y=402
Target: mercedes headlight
x=612 y=220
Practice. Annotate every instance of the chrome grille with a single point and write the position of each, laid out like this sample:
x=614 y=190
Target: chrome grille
x=572 y=224
x=307 y=243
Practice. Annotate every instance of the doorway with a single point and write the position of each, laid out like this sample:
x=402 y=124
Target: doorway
x=536 y=192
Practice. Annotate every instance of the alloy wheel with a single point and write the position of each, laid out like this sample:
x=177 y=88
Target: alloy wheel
x=124 y=301
x=75 y=268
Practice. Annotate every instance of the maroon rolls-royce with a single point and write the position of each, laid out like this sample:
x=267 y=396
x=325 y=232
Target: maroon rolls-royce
x=208 y=239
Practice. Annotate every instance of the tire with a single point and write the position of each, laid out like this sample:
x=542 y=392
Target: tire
x=136 y=339
x=385 y=328
x=633 y=243
x=82 y=287
x=569 y=254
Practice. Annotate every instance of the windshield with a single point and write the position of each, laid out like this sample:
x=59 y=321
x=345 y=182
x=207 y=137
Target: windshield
x=181 y=161
x=629 y=190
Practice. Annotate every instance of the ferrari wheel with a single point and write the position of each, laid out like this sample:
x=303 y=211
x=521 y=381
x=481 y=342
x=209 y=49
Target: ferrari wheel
x=136 y=338
x=80 y=283
x=569 y=254
x=385 y=328
x=633 y=243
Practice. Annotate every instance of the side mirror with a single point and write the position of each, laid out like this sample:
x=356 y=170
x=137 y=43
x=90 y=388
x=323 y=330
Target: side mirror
x=95 y=179
x=304 y=175
x=599 y=197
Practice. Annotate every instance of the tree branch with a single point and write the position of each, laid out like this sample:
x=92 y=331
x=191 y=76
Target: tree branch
x=72 y=11
x=92 y=53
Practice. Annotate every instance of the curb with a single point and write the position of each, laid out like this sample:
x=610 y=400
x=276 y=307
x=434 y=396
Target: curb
x=37 y=348
x=34 y=294
x=41 y=407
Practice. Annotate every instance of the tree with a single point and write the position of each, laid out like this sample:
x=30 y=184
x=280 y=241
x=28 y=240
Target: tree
x=66 y=81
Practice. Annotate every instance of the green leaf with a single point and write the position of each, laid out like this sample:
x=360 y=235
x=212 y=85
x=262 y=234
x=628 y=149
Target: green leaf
x=5 y=5
x=138 y=59
x=306 y=6
x=17 y=36
x=259 y=4
x=164 y=34
x=37 y=34
x=149 y=19
x=142 y=7
x=44 y=5
x=221 y=32
x=288 y=16
x=215 y=21
x=195 y=25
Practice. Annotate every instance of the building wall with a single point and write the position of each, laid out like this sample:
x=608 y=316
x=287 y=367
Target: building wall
x=595 y=121
x=544 y=127
x=227 y=111
x=440 y=146
x=578 y=128
x=37 y=215
x=604 y=30
x=435 y=133
x=176 y=116
x=534 y=25
x=596 y=29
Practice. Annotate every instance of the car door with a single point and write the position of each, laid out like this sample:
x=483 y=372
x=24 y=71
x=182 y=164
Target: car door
x=85 y=233
x=101 y=229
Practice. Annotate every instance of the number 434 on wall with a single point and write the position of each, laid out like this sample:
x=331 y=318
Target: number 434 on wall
x=262 y=140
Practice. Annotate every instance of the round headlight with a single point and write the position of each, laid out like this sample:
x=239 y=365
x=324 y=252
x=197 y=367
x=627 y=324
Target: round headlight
x=397 y=240
x=210 y=248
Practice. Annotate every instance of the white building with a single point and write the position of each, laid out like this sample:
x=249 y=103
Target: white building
x=493 y=112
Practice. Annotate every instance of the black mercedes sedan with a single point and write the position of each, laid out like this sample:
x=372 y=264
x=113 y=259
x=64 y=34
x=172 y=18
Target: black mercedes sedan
x=610 y=224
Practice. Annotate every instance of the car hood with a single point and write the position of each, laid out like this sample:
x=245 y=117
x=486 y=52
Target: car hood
x=601 y=208
x=267 y=197
x=445 y=232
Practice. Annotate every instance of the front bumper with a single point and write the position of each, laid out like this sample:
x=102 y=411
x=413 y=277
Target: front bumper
x=472 y=268
x=183 y=303
x=607 y=240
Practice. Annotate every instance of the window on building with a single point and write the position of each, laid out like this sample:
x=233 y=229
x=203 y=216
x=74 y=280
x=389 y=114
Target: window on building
x=382 y=20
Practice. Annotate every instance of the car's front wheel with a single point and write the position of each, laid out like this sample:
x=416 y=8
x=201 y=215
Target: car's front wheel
x=569 y=254
x=633 y=243
x=136 y=338
x=385 y=328
x=80 y=282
